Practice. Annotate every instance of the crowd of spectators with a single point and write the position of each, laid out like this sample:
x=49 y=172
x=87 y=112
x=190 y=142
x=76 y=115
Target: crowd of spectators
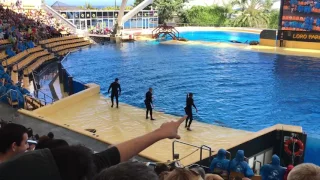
x=27 y=156
x=105 y=31
x=26 y=27
x=21 y=29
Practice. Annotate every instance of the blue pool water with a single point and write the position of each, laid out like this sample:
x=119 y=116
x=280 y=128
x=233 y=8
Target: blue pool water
x=234 y=88
x=220 y=36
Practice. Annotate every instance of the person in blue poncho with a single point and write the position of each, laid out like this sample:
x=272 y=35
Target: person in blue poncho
x=238 y=164
x=21 y=89
x=272 y=171
x=30 y=44
x=6 y=77
x=10 y=52
x=220 y=162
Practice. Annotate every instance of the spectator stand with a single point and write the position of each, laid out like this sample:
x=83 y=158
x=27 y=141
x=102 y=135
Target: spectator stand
x=21 y=57
x=258 y=155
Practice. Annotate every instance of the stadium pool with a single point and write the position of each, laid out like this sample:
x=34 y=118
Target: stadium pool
x=220 y=36
x=234 y=88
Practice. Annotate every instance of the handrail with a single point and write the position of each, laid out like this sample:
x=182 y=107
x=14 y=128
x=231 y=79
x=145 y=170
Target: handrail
x=166 y=30
x=36 y=92
x=188 y=144
x=254 y=164
x=209 y=149
x=44 y=97
x=8 y=93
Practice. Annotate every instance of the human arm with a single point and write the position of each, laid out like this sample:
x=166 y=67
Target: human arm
x=248 y=172
x=109 y=88
x=134 y=146
x=194 y=106
x=106 y=158
x=119 y=89
x=212 y=165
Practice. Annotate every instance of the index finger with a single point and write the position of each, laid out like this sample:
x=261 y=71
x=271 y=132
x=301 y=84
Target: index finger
x=181 y=120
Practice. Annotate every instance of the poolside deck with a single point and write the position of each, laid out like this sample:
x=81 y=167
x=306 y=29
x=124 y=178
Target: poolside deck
x=116 y=125
x=257 y=48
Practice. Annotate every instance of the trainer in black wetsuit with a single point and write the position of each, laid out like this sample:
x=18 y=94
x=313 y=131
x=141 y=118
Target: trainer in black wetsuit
x=115 y=92
x=149 y=103
x=188 y=109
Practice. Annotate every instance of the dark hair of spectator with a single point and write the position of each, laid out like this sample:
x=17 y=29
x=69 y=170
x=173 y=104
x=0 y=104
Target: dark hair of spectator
x=50 y=135
x=161 y=168
x=30 y=132
x=74 y=162
x=51 y=143
x=9 y=134
x=36 y=136
x=127 y=171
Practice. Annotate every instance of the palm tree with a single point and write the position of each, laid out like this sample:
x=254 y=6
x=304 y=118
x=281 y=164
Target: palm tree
x=252 y=13
x=88 y=6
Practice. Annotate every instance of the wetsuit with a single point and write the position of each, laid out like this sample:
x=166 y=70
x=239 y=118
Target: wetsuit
x=188 y=109
x=114 y=92
x=148 y=102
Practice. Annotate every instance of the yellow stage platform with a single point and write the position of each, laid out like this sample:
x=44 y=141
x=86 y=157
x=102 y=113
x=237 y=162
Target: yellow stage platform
x=90 y=110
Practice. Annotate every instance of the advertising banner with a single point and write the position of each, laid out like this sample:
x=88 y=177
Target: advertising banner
x=300 y=20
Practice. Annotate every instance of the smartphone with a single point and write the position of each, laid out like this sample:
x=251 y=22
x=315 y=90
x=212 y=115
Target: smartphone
x=32 y=142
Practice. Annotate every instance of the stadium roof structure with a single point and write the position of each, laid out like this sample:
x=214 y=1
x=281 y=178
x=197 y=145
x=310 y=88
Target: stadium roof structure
x=59 y=6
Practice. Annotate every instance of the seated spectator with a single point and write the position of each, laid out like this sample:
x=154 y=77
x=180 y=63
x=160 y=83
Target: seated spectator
x=128 y=171
x=220 y=163
x=78 y=162
x=289 y=168
x=213 y=177
x=6 y=34
x=273 y=170
x=1 y=34
x=10 y=52
x=180 y=174
x=199 y=170
x=30 y=44
x=13 y=141
x=21 y=46
x=12 y=39
x=306 y=171
x=238 y=164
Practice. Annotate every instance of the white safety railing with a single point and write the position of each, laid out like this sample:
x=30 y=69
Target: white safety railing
x=57 y=15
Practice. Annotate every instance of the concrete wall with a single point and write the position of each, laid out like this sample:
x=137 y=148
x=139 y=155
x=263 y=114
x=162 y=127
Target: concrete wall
x=268 y=42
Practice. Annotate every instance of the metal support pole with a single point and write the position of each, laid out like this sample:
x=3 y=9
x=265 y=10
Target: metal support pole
x=70 y=85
